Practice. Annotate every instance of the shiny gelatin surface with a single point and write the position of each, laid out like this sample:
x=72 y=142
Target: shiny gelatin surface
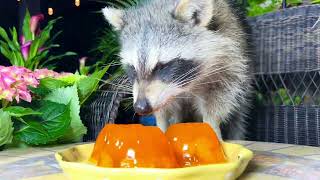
x=130 y=146
x=195 y=144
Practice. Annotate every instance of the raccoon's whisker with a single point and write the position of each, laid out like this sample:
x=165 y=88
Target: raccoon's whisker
x=186 y=74
x=212 y=82
x=179 y=97
x=194 y=77
x=216 y=71
x=192 y=70
x=118 y=85
x=124 y=92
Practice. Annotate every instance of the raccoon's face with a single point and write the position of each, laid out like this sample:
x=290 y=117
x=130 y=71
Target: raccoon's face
x=164 y=44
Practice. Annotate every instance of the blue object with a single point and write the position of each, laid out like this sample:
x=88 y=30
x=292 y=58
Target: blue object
x=148 y=120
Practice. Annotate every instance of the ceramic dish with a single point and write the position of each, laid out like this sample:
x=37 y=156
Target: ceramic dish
x=74 y=163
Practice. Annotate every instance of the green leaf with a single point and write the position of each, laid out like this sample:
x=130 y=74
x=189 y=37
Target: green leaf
x=52 y=58
x=68 y=95
x=14 y=35
x=51 y=46
x=40 y=91
x=45 y=34
x=276 y=100
x=52 y=83
x=19 y=57
x=35 y=45
x=32 y=132
x=4 y=34
x=47 y=85
x=15 y=41
x=54 y=123
x=17 y=111
x=88 y=85
x=283 y=93
x=315 y=2
x=4 y=49
x=261 y=7
x=6 y=128
x=71 y=79
x=12 y=53
x=26 y=27
x=287 y=102
x=33 y=63
x=38 y=43
x=297 y=100
x=294 y=2
x=52 y=39
x=56 y=118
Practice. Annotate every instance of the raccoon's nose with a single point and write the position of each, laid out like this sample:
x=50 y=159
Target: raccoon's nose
x=142 y=107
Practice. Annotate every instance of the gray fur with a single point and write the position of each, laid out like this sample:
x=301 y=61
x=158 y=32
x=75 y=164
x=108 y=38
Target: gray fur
x=160 y=31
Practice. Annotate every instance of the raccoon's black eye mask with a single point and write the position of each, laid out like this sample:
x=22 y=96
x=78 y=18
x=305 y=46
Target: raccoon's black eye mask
x=177 y=70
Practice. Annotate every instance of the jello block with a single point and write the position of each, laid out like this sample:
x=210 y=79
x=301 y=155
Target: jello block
x=195 y=144
x=129 y=146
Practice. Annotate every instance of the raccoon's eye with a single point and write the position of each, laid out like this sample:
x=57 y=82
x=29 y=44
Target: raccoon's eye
x=165 y=71
x=131 y=72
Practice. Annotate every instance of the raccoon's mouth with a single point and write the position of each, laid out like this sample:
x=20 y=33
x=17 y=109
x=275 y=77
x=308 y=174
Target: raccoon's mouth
x=163 y=105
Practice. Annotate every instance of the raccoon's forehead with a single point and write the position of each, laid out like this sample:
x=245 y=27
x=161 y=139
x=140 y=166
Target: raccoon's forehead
x=147 y=54
x=151 y=35
x=149 y=31
x=148 y=43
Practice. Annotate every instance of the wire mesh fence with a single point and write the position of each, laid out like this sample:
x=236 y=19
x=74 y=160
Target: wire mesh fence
x=287 y=76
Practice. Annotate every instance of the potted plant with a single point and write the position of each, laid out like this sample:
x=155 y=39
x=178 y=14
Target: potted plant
x=40 y=106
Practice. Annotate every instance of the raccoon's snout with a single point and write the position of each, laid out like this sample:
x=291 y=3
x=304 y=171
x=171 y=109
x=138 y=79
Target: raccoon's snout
x=142 y=107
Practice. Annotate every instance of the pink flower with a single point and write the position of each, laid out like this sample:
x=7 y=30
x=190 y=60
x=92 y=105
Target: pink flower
x=25 y=50
x=24 y=95
x=7 y=94
x=7 y=81
x=14 y=82
x=34 y=23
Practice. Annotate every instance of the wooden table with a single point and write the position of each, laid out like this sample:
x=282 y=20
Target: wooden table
x=271 y=161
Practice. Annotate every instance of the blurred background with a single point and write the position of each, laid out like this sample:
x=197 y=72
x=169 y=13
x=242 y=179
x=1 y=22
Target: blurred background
x=81 y=24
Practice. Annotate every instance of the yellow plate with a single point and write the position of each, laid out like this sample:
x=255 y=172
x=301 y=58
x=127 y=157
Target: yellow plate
x=73 y=161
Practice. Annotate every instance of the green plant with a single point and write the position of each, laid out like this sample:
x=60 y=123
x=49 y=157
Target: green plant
x=6 y=128
x=315 y=2
x=32 y=50
x=53 y=114
x=260 y=7
x=279 y=97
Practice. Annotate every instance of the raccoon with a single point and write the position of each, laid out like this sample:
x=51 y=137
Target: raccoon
x=186 y=60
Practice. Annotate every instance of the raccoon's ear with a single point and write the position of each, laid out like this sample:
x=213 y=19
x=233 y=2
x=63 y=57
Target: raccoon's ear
x=114 y=17
x=197 y=12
